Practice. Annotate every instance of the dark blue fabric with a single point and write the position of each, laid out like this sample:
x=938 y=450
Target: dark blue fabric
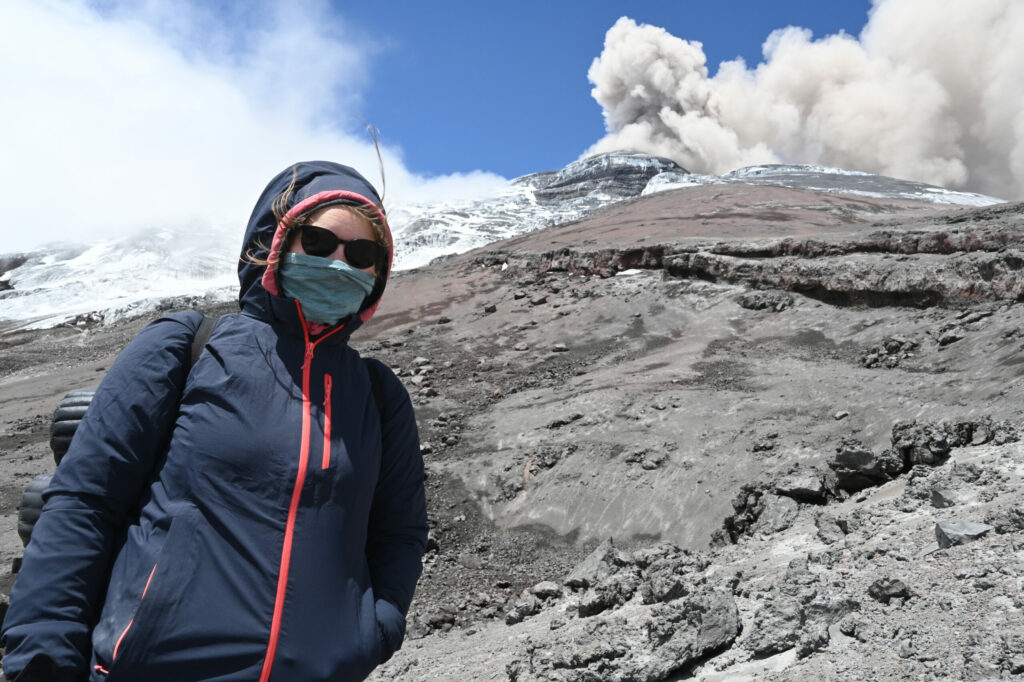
x=178 y=485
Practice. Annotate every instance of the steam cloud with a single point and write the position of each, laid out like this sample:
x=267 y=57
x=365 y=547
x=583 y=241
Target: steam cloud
x=931 y=91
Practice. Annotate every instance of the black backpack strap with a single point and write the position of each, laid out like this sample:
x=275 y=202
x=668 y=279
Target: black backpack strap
x=375 y=387
x=200 y=339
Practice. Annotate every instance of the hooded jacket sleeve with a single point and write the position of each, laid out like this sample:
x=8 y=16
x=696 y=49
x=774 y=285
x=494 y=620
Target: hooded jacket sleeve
x=96 y=492
x=397 y=534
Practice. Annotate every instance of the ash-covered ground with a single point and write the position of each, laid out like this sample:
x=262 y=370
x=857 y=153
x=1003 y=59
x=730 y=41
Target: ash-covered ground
x=767 y=399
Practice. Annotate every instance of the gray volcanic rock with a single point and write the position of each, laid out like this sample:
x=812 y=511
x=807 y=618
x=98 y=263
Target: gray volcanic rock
x=809 y=486
x=951 y=533
x=857 y=467
x=887 y=589
x=644 y=644
x=617 y=175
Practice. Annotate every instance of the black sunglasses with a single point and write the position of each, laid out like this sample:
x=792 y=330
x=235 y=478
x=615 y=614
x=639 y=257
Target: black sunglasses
x=360 y=253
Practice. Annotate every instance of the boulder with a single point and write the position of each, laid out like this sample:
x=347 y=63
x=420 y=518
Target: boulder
x=526 y=606
x=807 y=486
x=777 y=627
x=546 y=590
x=951 y=533
x=599 y=564
x=829 y=530
x=650 y=644
x=857 y=467
x=886 y=589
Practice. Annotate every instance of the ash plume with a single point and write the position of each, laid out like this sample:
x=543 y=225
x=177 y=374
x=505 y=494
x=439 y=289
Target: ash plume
x=929 y=91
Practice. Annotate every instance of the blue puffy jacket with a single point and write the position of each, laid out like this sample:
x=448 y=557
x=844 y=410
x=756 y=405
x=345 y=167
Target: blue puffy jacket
x=248 y=520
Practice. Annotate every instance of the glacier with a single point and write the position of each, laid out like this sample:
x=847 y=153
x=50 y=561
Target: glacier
x=81 y=285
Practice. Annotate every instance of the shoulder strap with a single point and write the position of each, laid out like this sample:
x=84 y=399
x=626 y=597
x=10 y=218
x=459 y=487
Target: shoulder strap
x=200 y=339
x=375 y=387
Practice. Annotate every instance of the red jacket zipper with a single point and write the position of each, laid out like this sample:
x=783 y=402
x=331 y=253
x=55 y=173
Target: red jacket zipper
x=293 y=507
x=327 y=422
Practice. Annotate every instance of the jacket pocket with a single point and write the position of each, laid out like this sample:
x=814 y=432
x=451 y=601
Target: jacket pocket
x=124 y=633
x=327 y=422
x=136 y=608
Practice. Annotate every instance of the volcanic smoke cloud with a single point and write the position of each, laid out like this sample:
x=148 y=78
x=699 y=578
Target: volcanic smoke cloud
x=931 y=91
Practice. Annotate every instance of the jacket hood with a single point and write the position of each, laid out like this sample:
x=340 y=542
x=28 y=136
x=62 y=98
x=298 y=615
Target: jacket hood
x=317 y=184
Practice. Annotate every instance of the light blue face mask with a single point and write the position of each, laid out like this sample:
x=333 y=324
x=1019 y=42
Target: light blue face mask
x=329 y=290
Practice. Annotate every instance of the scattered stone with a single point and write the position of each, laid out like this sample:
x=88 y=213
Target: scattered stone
x=756 y=511
x=519 y=295
x=1009 y=520
x=596 y=566
x=439 y=619
x=777 y=514
x=611 y=592
x=952 y=533
x=559 y=348
x=921 y=443
x=886 y=589
x=565 y=421
x=649 y=645
x=890 y=353
x=443 y=320
x=855 y=625
x=951 y=336
x=670 y=576
x=490 y=308
x=546 y=590
x=526 y=606
x=942 y=498
x=809 y=642
x=829 y=530
x=840 y=415
x=777 y=627
x=773 y=301
x=520 y=346
x=648 y=461
x=538 y=300
x=807 y=486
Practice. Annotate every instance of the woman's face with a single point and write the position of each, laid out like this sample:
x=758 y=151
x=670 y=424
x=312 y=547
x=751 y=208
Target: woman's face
x=345 y=224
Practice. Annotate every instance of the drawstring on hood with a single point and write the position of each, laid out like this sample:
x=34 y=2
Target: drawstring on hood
x=316 y=184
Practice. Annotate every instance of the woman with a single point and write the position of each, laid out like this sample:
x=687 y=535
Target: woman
x=255 y=518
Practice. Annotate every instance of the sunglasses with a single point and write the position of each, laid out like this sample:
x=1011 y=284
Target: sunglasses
x=359 y=253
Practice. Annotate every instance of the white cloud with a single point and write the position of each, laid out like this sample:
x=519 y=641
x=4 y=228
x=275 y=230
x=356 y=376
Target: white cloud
x=122 y=116
x=930 y=91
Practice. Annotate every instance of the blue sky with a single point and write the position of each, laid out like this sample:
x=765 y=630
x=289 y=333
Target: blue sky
x=503 y=87
x=172 y=114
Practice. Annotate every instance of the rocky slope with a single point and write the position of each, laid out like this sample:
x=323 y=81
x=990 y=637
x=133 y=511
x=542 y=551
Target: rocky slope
x=705 y=433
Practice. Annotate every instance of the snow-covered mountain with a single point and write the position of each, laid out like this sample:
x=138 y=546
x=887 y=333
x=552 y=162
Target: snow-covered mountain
x=529 y=203
x=131 y=275
x=824 y=179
